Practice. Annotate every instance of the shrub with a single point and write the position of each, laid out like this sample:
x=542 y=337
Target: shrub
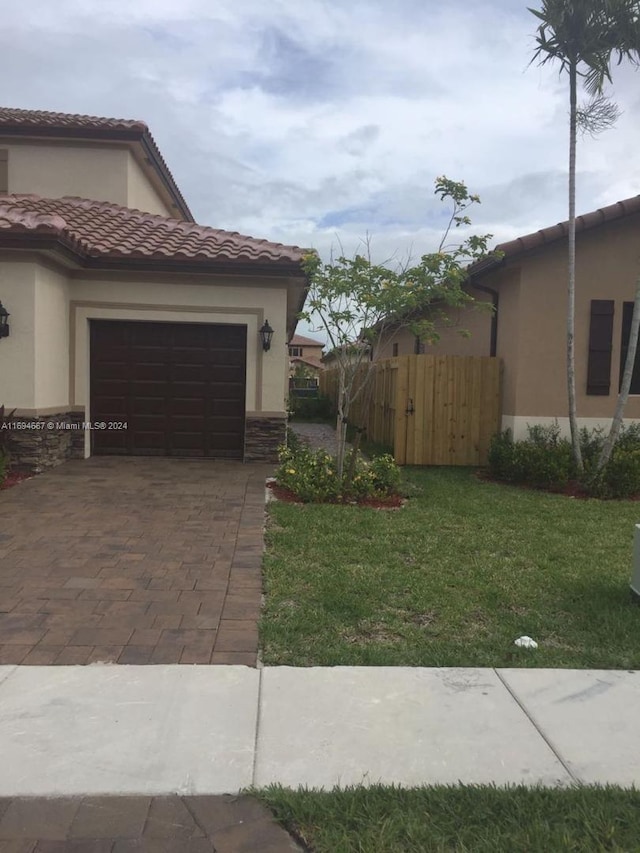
x=620 y=478
x=543 y=460
x=386 y=474
x=310 y=408
x=591 y=443
x=313 y=476
x=501 y=456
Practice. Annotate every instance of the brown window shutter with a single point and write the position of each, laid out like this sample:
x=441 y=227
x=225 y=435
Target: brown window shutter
x=600 y=343
x=627 y=315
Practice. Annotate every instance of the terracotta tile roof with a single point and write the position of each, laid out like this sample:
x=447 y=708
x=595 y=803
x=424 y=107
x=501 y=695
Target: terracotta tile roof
x=11 y=117
x=546 y=236
x=42 y=123
x=103 y=231
x=307 y=359
x=301 y=341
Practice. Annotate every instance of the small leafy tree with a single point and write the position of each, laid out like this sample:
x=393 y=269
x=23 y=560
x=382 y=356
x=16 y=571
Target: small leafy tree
x=359 y=304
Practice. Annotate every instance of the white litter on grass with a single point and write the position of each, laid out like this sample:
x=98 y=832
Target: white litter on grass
x=526 y=643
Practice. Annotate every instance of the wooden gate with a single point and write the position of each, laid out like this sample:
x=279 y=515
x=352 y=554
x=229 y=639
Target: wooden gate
x=431 y=410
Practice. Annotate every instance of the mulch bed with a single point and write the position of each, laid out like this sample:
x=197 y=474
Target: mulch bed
x=13 y=478
x=573 y=489
x=390 y=502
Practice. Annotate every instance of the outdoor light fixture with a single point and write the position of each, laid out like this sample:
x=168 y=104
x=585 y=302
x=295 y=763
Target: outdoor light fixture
x=266 y=333
x=4 y=322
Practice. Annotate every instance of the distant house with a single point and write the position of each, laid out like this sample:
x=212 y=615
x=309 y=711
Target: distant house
x=527 y=328
x=305 y=355
x=125 y=312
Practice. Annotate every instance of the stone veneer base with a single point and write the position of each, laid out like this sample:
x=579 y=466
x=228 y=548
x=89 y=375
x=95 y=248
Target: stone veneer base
x=55 y=439
x=60 y=437
x=262 y=437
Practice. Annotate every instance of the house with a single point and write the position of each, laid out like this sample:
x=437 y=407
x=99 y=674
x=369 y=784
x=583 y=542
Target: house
x=306 y=353
x=527 y=288
x=132 y=329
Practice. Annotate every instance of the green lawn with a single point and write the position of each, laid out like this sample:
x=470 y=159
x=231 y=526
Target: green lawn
x=463 y=819
x=452 y=579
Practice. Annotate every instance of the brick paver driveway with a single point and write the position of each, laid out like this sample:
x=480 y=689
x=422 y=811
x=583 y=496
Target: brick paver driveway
x=132 y=561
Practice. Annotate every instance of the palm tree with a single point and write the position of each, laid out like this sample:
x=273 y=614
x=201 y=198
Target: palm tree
x=584 y=36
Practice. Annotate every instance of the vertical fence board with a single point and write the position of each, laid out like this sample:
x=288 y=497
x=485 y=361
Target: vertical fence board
x=456 y=404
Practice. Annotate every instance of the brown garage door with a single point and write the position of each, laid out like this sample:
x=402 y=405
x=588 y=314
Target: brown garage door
x=178 y=388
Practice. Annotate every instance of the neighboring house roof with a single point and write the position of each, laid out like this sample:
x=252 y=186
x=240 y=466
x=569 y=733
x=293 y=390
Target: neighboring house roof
x=546 y=236
x=103 y=234
x=307 y=359
x=301 y=341
x=52 y=125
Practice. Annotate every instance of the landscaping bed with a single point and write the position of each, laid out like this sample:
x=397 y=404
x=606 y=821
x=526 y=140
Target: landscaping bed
x=453 y=579
x=462 y=819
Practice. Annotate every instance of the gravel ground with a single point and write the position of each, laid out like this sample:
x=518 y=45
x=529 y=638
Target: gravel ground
x=317 y=436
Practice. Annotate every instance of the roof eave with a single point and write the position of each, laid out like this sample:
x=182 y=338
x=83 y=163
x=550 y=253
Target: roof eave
x=44 y=240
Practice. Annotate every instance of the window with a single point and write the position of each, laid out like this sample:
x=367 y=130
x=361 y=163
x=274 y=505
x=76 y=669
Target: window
x=295 y=351
x=600 y=342
x=627 y=314
x=395 y=349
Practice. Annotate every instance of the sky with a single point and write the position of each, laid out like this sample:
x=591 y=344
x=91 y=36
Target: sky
x=318 y=123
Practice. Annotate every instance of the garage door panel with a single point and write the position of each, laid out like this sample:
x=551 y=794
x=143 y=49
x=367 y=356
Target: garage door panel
x=190 y=372
x=113 y=370
x=189 y=405
x=227 y=408
x=111 y=405
x=149 y=388
x=148 y=406
x=228 y=337
x=180 y=387
x=228 y=357
x=148 y=371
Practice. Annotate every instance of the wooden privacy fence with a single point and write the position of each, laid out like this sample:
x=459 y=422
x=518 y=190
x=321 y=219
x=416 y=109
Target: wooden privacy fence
x=432 y=410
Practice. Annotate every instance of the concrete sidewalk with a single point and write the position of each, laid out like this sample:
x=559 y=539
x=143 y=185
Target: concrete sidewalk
x=199 y=730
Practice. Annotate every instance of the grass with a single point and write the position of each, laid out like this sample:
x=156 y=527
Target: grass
x=464 y=819
x=452 y=579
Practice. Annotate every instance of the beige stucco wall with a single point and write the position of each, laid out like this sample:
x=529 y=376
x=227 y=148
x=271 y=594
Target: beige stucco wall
x=44 y=363
x=607 y=265
x=141 y=194
x=450 y=325
x=51 y=339
x=17 y=352
x=102 y=172
x=55 y=170
x=202 y=302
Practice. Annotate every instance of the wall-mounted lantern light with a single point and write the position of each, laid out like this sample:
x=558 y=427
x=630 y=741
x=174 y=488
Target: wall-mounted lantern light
x=266 y=333
x=4 y=322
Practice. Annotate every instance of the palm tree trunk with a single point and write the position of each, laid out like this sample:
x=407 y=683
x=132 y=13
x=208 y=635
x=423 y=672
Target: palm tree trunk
x=625 y=386
x=571 y=290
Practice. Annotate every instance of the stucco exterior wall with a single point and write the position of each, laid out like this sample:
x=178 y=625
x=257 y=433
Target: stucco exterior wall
x=141 y=194
x=507 y=283
x=54 y=170
x=51 y=339
x=18 y=351
x=607 y=265
x=203 y=302
x=475 y=320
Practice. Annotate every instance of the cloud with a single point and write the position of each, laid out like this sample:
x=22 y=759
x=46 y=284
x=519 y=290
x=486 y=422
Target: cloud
x=314 y=122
